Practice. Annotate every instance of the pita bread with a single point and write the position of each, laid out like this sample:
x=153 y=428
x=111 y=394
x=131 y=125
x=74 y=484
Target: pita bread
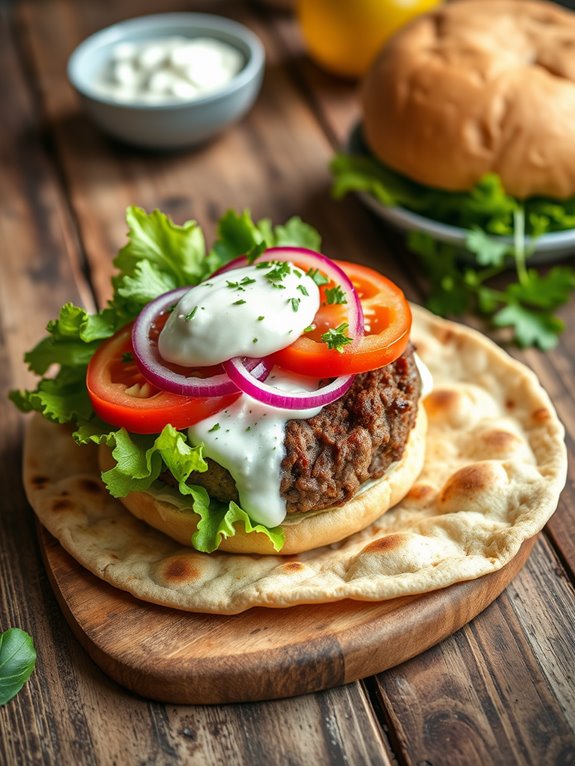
x=495 y=464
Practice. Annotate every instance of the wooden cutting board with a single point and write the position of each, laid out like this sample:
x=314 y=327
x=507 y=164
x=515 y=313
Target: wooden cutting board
x=262 y=654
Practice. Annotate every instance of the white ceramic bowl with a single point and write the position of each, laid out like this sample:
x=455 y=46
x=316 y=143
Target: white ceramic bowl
x=173 y=124
x=550 y=247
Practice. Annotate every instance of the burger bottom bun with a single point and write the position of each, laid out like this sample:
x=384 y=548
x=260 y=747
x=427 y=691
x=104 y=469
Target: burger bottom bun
x=306 y=531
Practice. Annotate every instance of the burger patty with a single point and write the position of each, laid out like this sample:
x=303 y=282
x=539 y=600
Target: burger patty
x=351 y=441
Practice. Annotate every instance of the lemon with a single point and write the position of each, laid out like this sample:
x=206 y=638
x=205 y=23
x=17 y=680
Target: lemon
x=344 y=35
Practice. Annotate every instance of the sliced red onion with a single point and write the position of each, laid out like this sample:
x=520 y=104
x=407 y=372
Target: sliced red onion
x=238 y=371
x=154 y=369
x=312 y=260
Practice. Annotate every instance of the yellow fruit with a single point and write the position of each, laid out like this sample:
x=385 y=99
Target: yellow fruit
x=344 y=35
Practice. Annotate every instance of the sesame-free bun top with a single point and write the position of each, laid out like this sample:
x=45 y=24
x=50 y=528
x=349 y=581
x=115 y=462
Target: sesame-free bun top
x=476 y=87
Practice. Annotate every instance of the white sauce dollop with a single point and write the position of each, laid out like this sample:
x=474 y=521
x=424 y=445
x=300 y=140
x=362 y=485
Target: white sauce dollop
x=168 y=69
x=247 y=438
x=244 y=312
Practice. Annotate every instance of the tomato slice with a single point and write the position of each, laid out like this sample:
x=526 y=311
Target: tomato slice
x=121 y=396
x=387 y=326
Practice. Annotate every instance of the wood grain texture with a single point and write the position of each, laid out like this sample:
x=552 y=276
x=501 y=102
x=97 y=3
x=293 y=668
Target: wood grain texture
x=260 y=654
x=499 y=691
x=502 y=670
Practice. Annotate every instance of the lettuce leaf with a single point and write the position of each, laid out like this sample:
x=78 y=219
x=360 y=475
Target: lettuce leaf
x=159 y=256
x=140 y=462
x=487 y=206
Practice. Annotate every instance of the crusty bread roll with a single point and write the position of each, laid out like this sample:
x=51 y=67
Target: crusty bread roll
x=476 y=87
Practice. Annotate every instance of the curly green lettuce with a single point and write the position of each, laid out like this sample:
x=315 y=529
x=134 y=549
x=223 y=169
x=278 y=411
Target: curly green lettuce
x=159 y=256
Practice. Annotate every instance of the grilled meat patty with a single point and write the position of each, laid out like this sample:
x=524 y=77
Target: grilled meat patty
x=351 y=441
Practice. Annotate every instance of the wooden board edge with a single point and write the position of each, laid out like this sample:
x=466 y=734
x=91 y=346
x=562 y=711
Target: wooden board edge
x=325 y=663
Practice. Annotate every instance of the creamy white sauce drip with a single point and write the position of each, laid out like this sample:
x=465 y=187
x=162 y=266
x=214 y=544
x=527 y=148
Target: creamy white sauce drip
x=168 y=69
x=425 y=375
x=247 y=438
x=243 y=312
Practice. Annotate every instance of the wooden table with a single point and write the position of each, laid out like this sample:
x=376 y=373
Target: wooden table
x=499 y=691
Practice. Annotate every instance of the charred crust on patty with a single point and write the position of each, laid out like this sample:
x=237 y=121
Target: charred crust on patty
x=351 y=441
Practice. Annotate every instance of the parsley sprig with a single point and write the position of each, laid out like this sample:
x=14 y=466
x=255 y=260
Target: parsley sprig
x=336 y=337
x=334 y=295
x=526 y=306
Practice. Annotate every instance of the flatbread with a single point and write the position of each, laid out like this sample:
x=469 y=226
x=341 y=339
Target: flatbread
x=495 y=464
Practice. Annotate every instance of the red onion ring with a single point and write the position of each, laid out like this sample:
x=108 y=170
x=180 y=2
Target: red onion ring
x=154 y=369
x=313 y=260
x=298 y=400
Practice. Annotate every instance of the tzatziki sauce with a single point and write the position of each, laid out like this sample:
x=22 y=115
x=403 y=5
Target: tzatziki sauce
x=247 y=438
x=251 y=311
x=167 y=69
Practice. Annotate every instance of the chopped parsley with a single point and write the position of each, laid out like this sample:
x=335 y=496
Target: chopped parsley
x=127 y=357
x=335 y=295
x=191 y=315
x=319 y=278
x=294 y=303
x=240 y=285
x=215 y=427
x=261 y=318
x=238 y=303
x=278 y=272
x=302 y=290
x=335 y=338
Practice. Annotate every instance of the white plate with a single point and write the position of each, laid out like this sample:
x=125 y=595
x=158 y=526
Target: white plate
x=548 y=248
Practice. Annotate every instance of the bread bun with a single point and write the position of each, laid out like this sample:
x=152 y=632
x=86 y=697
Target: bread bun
x=476 y=87
x=313 y=531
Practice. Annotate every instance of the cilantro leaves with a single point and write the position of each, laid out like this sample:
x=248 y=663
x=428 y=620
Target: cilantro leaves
x=527 y=305
x=336 y=338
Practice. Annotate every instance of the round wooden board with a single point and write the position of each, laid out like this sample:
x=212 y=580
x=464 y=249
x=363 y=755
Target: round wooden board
x=174 y=656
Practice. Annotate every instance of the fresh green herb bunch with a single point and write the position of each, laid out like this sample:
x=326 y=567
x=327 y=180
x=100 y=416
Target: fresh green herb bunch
x=527 y=304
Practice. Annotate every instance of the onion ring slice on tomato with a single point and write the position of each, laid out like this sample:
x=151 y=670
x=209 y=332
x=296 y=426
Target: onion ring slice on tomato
x=275 y=397
x=165 y=377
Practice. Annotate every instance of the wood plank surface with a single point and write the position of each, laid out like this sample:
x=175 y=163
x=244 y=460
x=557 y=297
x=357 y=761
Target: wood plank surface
x=500 y=690
x=261 y=654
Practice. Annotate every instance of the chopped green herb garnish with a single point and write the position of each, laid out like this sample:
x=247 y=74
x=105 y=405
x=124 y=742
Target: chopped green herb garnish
x=302 y=290
x=317 y=277
x=254 y=340
x=335 y=295
x=238 y=303
x=191 y=314
x=294 y=303
x=310 y=328
x=234 y=285
x=278 y=272
x=127 y=357
x=336 y=338
x=261 y=318
x=215 y=427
